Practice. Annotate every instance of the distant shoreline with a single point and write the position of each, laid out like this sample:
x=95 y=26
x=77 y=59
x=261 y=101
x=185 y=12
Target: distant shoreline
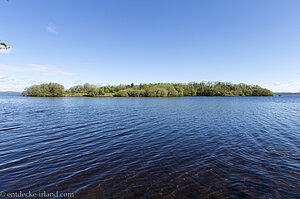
x=10 y=92
x=286 y=93
x=149 y=90
x=20 y=93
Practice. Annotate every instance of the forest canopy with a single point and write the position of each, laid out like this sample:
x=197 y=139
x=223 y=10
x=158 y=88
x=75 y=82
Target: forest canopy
x=45 y=90
x=149 y=90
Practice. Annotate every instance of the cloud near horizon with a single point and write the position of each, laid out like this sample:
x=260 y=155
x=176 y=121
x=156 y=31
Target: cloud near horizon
x=99 y=83
x=3 y=78
x=291 y=86
x=38 y=68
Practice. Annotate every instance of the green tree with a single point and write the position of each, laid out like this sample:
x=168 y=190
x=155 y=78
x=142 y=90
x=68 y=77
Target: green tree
x=122 y=93
x=92 y=92
x=45 y=90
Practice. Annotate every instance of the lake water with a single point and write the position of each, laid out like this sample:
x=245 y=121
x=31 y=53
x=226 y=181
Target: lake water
x=181 y=147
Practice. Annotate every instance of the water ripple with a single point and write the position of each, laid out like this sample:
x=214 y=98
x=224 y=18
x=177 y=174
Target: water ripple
x=189 y=147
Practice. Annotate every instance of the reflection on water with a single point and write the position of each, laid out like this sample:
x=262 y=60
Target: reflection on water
x=188 y=147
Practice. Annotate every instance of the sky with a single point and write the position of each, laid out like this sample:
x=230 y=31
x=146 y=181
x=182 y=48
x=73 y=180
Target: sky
x=109 y=42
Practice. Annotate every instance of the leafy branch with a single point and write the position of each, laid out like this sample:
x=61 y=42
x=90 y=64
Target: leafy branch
x=3 y=45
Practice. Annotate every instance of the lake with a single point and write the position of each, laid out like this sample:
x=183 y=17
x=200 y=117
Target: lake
x=180 y=147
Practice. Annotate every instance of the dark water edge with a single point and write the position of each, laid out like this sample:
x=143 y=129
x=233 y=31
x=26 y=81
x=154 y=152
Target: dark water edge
x=179 y=147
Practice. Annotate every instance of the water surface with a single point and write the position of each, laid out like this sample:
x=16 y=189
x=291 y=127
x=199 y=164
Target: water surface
x=181 y=147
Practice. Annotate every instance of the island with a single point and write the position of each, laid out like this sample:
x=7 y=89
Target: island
x=148 y=90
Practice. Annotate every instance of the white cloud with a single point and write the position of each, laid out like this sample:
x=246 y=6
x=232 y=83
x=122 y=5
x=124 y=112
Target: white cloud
x=8 y=84
x=99 y=83
x=3 y=78
x=76 y=82
x=291 y=86
x=50 y=28
x=32 y=82
x=6 y=51
x=38 y=68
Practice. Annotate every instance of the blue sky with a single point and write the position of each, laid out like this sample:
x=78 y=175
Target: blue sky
x=141 y=41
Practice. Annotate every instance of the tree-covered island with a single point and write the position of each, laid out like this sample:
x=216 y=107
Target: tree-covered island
x=149 y=90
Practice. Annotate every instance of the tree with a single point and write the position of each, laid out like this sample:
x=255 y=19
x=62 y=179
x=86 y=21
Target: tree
x=122 y=93
x=86 y=87
x=45 y=90
x=92 y=92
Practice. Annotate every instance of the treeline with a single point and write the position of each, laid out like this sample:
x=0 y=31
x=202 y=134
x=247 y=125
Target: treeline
x=45 y=90
x=150 y=90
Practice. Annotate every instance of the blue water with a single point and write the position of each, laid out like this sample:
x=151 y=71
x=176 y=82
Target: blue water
x=181 y=147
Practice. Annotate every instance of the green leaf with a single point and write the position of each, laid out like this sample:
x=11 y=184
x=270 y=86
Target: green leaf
x=3 y=45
